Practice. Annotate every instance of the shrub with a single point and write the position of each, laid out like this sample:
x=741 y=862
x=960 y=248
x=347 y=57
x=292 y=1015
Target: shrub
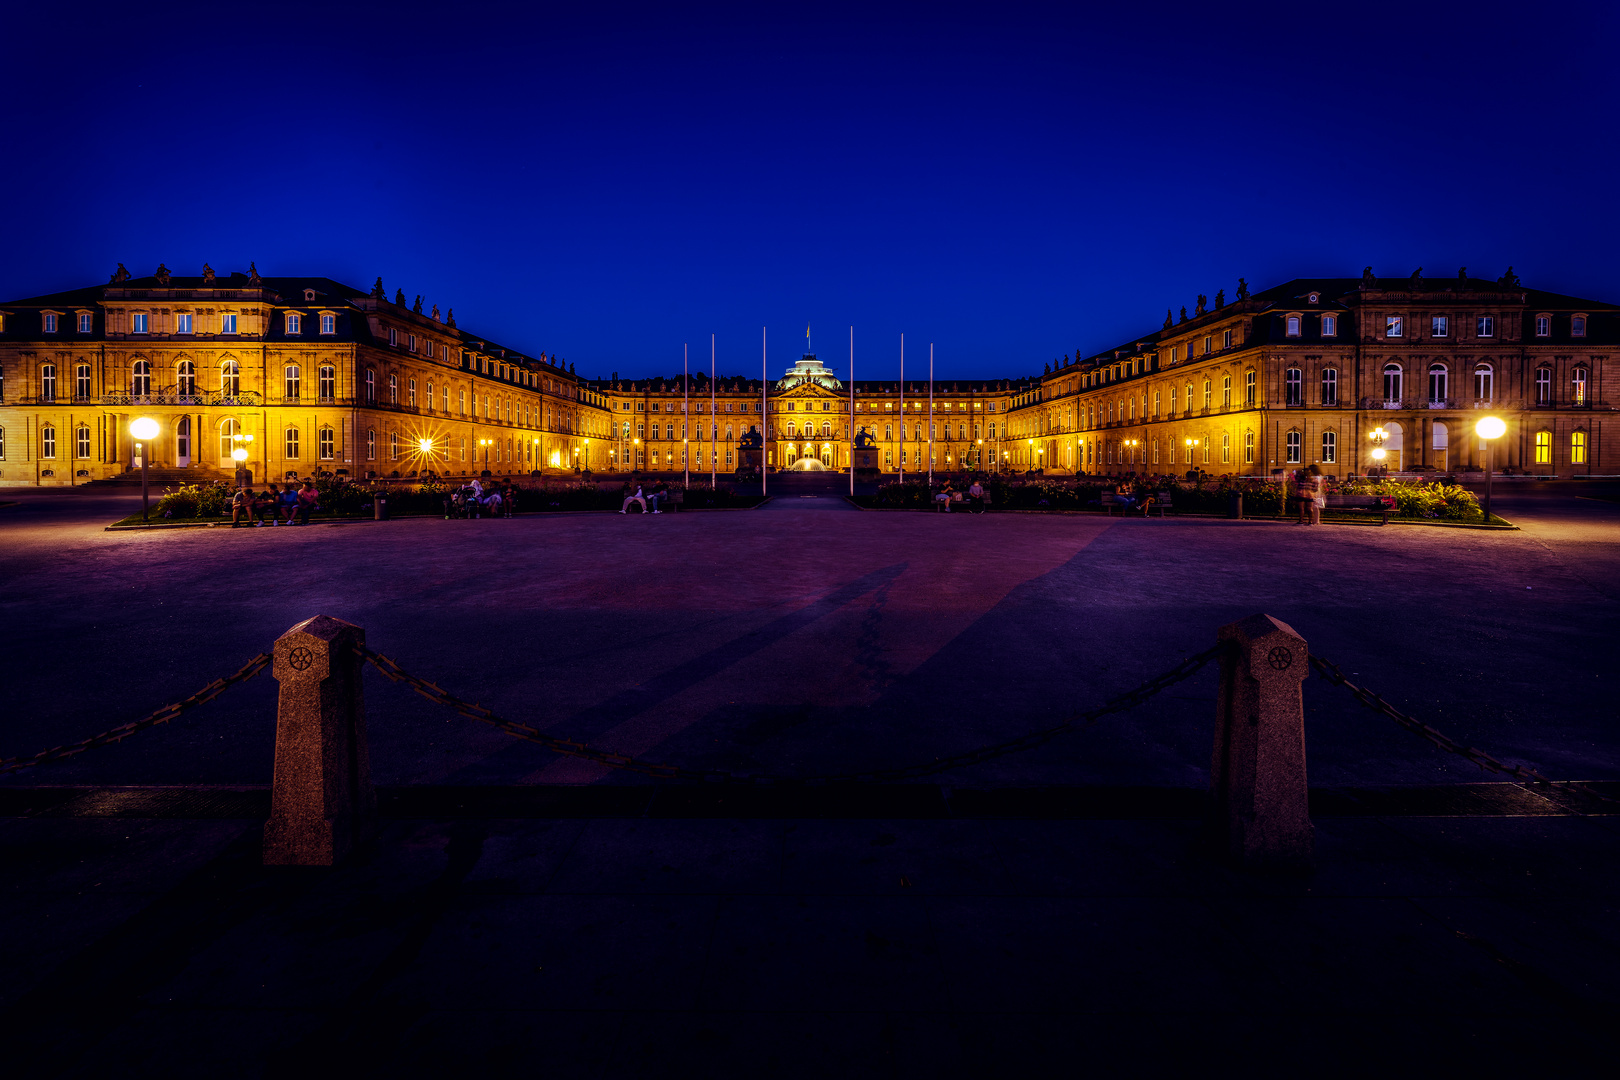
x=194 y=500
x=1430 y=499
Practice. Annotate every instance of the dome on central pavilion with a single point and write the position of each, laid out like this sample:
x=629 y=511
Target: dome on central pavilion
x=809 y=370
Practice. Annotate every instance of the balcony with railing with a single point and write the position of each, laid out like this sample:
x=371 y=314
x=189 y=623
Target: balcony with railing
x=197 y=398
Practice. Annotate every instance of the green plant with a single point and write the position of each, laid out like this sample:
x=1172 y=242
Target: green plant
x=194 y=500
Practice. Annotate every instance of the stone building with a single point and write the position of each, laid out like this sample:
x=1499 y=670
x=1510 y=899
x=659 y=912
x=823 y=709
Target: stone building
x=1305 y=372
x=308 y=375
x=305 y=374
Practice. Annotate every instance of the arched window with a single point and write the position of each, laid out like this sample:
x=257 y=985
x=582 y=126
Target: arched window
x=230 y=378
x=47 y=442
x=393 y=389
x=1330 y=386
x=1248 y=390
x=1577 y=448
x=324 y=443
x=1437 y=383
x=792 y=432
x=1155 y=452
x=81 y=382
x=1208 y=394
x=1226 y=449
x=1293 y=387
x=186 y=379
x=1330 y=448
x=47 y=382
x=1248 y=448
x=1392 y=384
x=393 y=446
x=292 y=443
x=81 y=447
x=1577 y=387
x=182 y=440
x=1543 y=448
x=1226 y=391
x=1293 y=443
x=295 y=381
x=227 y=439
x=327 y=388
x=1544 y=386
x=1484 y=382
x=140 y=379
x=462 y=395
x=430 y=395
x=371 y=386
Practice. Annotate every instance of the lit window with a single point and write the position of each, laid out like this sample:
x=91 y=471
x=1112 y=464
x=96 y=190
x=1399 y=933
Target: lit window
x=1293 y=448
x=292 y=444
x=1441 y=326
x=1330 y=386
x=1577 y=388
x=1543 y=326
x=1543 y=448
x=1577 y=448
x=230 y=378
x=86 y=322
x=393 y=446
x=227 y=323
x=50 y=322
x=1483 y=379
x=328 y=324
x=137 y=322
x=295 y=323
x=1330 y=448
x=182 y=322
x=1577 y=326
x=1485 y=326
x=1330 y=325
x=1393 y=326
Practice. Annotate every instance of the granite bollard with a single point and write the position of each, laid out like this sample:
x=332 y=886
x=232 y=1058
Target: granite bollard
x=321 y=802
x=1262 y=816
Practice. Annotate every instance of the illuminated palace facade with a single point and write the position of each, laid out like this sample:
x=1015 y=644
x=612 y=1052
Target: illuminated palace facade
x=307 y=374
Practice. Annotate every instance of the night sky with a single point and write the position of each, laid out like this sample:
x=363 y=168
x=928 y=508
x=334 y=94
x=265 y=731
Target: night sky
x=605 y=183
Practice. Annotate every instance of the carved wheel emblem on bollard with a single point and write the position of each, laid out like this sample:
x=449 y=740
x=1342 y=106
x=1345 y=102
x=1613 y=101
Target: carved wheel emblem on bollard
x=1280 y=657
x=301 y=657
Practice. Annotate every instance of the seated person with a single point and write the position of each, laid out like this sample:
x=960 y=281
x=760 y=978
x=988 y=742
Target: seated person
x=241 y=507
x=633 y=497
x=288 y=503
x=308 y=501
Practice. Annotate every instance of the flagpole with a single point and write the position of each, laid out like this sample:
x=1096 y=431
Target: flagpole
x=686 y=415
x=930 y=416
x=902 y=408
x=714 y=466
x=764 y=413
x=851 y=427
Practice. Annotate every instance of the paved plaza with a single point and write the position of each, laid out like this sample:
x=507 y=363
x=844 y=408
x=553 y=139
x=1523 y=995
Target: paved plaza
x=523 y=910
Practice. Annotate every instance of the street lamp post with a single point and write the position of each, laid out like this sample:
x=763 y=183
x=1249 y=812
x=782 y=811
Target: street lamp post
x=485 y=444
x=145 y=429
x=1489 y=429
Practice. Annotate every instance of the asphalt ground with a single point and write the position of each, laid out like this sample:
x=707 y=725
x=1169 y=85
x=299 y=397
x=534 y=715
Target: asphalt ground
x=1054 y=910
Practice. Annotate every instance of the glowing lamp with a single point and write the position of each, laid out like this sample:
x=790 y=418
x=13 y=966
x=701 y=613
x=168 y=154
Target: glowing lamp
x=239 y=454
x=1489 y=427
x=425 y=445
x=144 y=428
x=1379 y=453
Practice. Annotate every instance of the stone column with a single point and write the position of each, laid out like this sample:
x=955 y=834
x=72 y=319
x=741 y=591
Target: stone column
x=321 y=803
x=1258 y=769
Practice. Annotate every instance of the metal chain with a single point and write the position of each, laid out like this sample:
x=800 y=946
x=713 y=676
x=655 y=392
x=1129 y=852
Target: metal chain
x=124 y=731
x=1332 y=673
x=573 y=748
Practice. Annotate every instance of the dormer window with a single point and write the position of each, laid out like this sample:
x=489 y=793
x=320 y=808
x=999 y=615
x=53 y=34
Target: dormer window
x=1314 y=298
x=1293 y=326
x=411 y=339
x=393 y=338
x=1330 y=325
x=86 y=322
x=1577 y=325
x=328 y=324
x=1543 y=326
x=50 y=322
x=295 y=323
x=1226 y=339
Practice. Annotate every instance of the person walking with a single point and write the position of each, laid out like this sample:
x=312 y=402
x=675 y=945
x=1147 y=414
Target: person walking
x=1317 y=484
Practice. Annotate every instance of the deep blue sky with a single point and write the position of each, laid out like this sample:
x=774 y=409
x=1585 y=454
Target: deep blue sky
x=606 y=182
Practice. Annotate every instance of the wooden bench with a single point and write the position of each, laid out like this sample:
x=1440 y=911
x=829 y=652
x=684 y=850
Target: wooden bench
x=1163 y=501
x=1363 y=504
x=1110 y=500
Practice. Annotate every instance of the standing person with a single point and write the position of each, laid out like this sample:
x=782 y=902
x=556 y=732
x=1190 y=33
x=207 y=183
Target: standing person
x=1318 y=493
x=1303 y=494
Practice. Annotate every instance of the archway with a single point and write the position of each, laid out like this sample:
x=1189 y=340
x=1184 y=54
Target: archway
x=1393 y=446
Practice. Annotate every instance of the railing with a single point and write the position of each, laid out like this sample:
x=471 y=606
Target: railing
x=214 y=397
